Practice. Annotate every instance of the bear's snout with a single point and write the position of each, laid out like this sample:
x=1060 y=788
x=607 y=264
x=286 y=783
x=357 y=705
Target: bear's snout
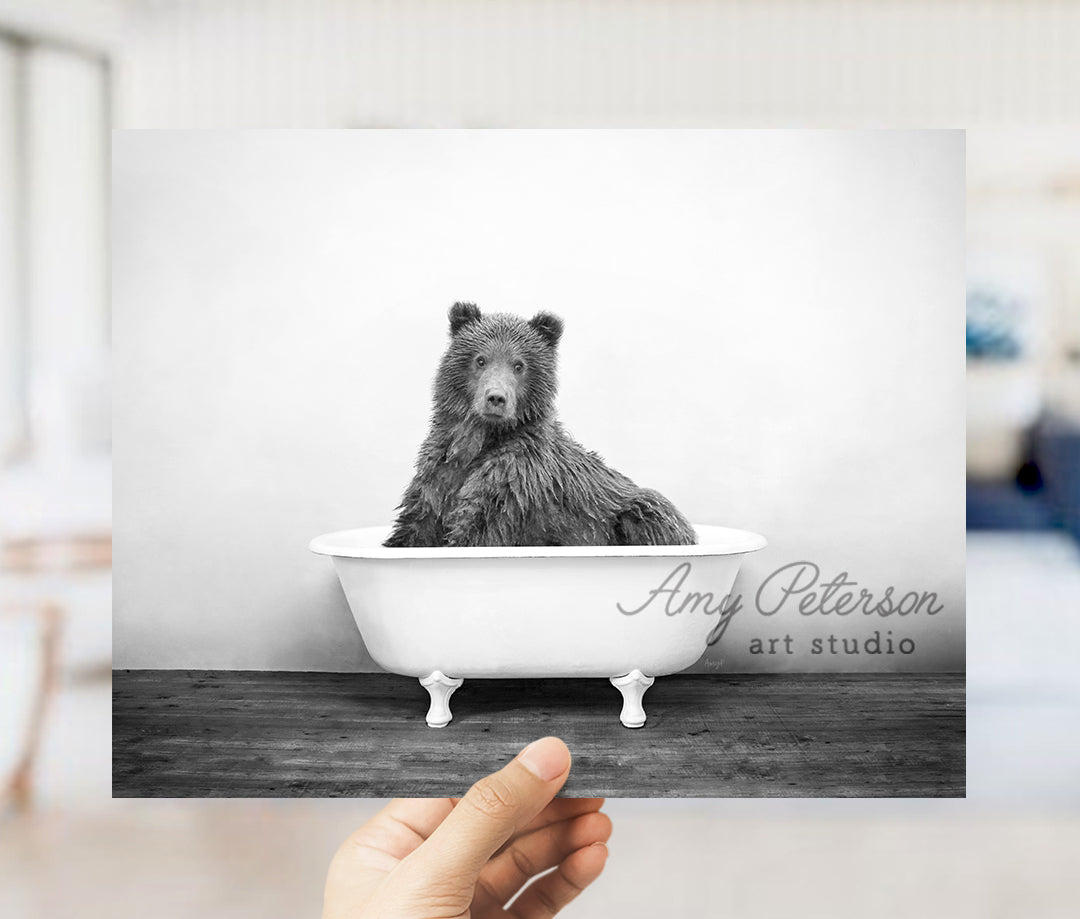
x=496 y=402
x=495 y=398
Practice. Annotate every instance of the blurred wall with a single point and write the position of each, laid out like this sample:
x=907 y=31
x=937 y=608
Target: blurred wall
x=767 y=326
x=1024 y=209
x=471 y=63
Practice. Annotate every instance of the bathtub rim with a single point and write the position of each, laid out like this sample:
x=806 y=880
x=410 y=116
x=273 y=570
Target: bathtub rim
x=366 y=542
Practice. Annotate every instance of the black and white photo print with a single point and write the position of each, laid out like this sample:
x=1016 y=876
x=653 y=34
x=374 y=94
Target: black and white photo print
x=427 y=441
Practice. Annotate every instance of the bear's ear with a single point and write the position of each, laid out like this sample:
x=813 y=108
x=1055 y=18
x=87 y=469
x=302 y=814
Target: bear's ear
x=549 y=326
x=461 y=314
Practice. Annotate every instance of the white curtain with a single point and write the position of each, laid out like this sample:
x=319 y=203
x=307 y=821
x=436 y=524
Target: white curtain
x=66 y=250
x=54 y=296
x=10 y=334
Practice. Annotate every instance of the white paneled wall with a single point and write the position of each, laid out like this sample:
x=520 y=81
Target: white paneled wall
x=258 y=63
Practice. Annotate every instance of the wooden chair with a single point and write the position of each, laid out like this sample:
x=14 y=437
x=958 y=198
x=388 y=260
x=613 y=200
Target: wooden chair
x=32 y=559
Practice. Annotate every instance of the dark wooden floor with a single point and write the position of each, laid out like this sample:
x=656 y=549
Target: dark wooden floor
x=245 y=734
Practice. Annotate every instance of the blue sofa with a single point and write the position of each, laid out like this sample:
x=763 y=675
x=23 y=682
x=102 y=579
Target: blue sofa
x=1056 y=450
x=1050 y=502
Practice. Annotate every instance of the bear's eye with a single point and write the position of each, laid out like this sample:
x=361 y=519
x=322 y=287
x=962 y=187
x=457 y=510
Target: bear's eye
x=519 y=366
x=480 y=360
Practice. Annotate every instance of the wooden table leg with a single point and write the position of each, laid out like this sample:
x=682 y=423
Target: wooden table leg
x=21 y=785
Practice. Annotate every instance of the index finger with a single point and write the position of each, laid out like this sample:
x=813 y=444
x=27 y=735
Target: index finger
x=556 y=812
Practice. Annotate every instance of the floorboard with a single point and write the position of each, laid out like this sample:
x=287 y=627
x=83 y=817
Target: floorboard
x=255 y=734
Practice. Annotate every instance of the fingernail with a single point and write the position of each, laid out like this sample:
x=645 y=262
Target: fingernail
x=546 y=758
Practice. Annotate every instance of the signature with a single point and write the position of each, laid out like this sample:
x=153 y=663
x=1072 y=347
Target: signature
x=726 y=607
x=799 y=580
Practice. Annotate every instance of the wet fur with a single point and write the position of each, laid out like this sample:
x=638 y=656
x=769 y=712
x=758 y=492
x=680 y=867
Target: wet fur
x=522 y=481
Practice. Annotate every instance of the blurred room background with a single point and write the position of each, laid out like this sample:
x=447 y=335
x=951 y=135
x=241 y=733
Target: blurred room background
x=71 y=69
x=1023 y=456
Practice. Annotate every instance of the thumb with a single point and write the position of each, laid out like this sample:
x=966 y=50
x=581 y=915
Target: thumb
x=492 y=811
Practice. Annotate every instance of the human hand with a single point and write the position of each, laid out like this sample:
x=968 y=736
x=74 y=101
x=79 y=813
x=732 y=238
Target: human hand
x=440 y=858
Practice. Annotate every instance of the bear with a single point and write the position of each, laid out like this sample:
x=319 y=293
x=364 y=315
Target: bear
x=498 y=469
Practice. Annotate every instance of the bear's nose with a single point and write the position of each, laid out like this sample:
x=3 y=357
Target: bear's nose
x=496 y=400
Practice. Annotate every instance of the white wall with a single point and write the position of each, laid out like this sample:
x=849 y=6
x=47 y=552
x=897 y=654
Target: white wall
x=765 y=326
x=588 y=63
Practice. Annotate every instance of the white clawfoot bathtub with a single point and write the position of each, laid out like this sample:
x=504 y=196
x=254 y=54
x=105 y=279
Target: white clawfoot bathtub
x=628 y=613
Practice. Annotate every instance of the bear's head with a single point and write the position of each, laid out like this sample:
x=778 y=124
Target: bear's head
x=498 y=368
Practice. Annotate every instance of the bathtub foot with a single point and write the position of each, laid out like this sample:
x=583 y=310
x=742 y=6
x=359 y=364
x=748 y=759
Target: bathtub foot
x=632 y=686
x=440 y=687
